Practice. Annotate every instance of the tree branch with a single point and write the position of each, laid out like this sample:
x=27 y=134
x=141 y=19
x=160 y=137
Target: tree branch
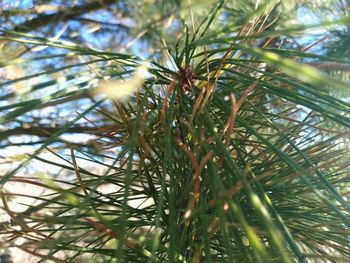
x=61 y=16
x=44 y=131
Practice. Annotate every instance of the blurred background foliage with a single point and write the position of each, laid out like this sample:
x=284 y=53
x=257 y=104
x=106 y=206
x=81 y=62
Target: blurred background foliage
x=235 y=149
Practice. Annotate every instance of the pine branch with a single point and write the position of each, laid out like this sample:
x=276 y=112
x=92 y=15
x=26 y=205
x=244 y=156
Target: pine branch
x=46 y=131
x=62 y=16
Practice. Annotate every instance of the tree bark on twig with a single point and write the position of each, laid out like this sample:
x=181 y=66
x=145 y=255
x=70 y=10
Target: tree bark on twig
x=62 y=16
x=44 y=131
